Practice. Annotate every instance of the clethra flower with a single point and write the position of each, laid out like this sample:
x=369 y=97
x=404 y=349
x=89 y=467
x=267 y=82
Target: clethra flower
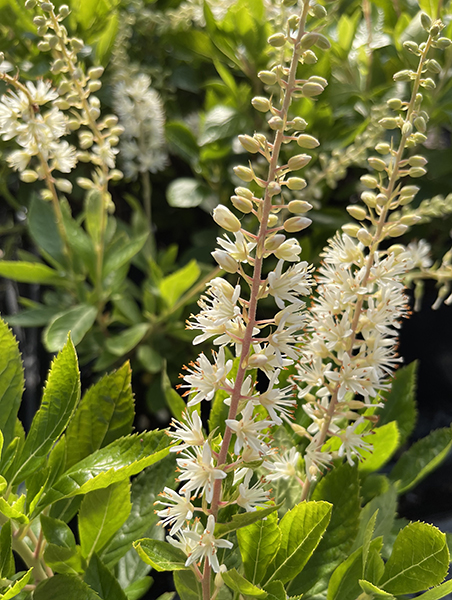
x=248 y=431
x=352 y=442
x=199 y=471
x=276 y=399
x=205 y=378
x=205 y=545
x=179 y=510
x=189 y=432
x=250 y=498
x=282 y=467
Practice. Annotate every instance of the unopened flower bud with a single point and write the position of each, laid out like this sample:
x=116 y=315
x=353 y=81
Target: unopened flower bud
x=39 y=21
x=225 y=260
x=320 y=80
x=84 y=157
x=308 y=40
x=113 y=140
x=377 y=163
x=322 y=42
x=226 y=219
x=117 y=130
x=307 y=141
x=351 y=229
x=273 y=188
x=61 y=103
x=57 y=65
x=388 y=122
x=86 y=139
x=412 y=47
x=85 y=183
x=417 y=160
x=277 y=40
x=357 y=212
x=404 y=75
x=417 y=172
x=64 y=185
x=410 y=220
x=43 y=46
x=94 y=86
x=73 y=124
x=433 y=66
x=293 y=22
x=242 y=204
x=77 y=44
x=46 y=195
x=383 y=148
x=218 y=577
x=244 y=173
x=276 y=123
x=364 y=237
x=419 y=137
x=245 y=192
x=309 y=57
x=299 y=207
x=274 y=242
x=261 y=103
x=369 y=181
x=257 y=360
x=318 y=11
x=298 y=124
x=298 y=161
x=249 y=143
x=30 y=4
x=370 y=199
x=116 y=175
x=426 y=21
x=64 y=11
x=396 y=249
x=28 y=176
x=394 y=103
x=46 y=6
x=442 y=43
x=296 y=224
x=381 y=199
x=428 y=83
x=95 y=72
x=396 y=230
x=296 y=183
x=420 y=124
x=272 y=221
x=110 y=120
x=311 y=89
x=409 y=190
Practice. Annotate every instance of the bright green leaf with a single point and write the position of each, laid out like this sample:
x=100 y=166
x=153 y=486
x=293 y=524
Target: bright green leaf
x=64 y=587
x=440 y=591
x=77 y=321
x=15 y=511
x=374 y=591
x=162 y=556
x=121 y=344
x=239 y=584
x=7 y=566
x=175 y=402
x=173 y=286
x=11 y=382
x=63 y=560
x=102 y=581
x=385 y=441
x=94 y=208
x=124 y=253
x=101 y=514
x=137 y=589
x=57 y=532
x=258 y=544
x=275 y=591
x=28 y=272
x=242 y=520
x=187 y=586
x=385 y=505
x=16 y=587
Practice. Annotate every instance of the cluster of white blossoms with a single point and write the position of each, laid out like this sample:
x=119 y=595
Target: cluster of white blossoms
x=141 y=114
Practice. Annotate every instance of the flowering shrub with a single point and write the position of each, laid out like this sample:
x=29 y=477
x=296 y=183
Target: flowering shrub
x=278 y=492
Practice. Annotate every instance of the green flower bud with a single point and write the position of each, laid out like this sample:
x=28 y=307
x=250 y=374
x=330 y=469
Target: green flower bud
x=85 y=183
x=396 y=230
x=404 y=75
x=226 y=219
x=77 y=44
x=426 y=21
x=226 y=262
x=417 y=161
x=116 y=175
x=370 y=199
x=249 y=143
x=409 y=190
x=396 y=249
x=299 y=207
x=420 y=124
x=410 y=220
x=95 y=72
x=296 y=183
x=309 y=57
x=351 y=229
x=293 y=22
x=381 y=199
x=296 y=224
x=412 y=47
x=41 y=31
x=46 y=195
x=61 y=103
x=277 y=40
x=307 y=141
x=261 y=103
x=39 y=21
x=417 y=172
x=28 y=176
x=407 y=128
x=434 y=30
x=298 y=161
x=30 y=4
x=428 y=83
x=267 y=77
x=118 y=130
x=364 y=237
x=64 y=185
x=318 y=11
x=377 y=163
x=46 y=6
x=274 y=242
x=273 y=188
x=244 y=173
x=289 y=3
x=245 y=192
x=272 y=221
x=320 y=80
x=57 y=65
x=357 y=212
x=64 y=11
x=311 y=89
x=298 y=124
x=322 y=42
x=388 y=122
x=308 y=40
x=394 y=103
x=73 y=124
x=369 y=181
x=43 y=46
x=419 y=137
x=442 y=43
x=433 y=66
x=94 y=86
x=383 y=148
x=276 y=123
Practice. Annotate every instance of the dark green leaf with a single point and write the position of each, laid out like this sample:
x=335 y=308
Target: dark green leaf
x=175 y=403
x=11 y=382
x=64 y=587
x=121 y=344
x=43 y=229
x=160 y=555
x=94 y=208
x=302 y=529
x=101 y=514
x=187 y=586
x=239 y=584
x=34 y=317
x=374 y=592
x=7 y=566
x=421 y=459
x=27 y=272
x=124 y=253
x=101 y=580
x=258 y=544
x=419 y=560
x=181 y=141
x=104 y=414
x=60 y=397
x=77 y=321
x=137 y=589
x=242 y=520
x=386 y=505
x=275 y=591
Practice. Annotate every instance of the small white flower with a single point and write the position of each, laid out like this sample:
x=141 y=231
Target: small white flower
x=189 y=431
x=248 y=430
x=282 y=467
x=179 y=509
x=199 y=471
x=205 y=378
x=206 y=545
x=315 y=459
x=250 y=498
x=288 y=286
x=276 y=399
x=352 y=442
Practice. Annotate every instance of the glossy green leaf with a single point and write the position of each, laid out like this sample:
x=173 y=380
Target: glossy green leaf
x=15 y=511
x=33 y=317
x=64 y=560
x=421 y=459
x=181 y=142
x=117 y=461
x=77 y=321
x=101 y=514
x=242 y=520
x=162 y=556
x=60 y=397
x=137 y=589
x=385 y=441
x=174 y=400
x=57 y=532
x=124 y=253
x=43 y=229
x=419 y=560
x=340 y=487
x=368 y=535
x=258 y=544
x=28 y=272
x=239 y=584
x=104 y=414
x=275 y=591
x=102 y=581
x=145 y=490
x=121 y=344
x=64 y=587
x=16 y=587
x=11 y=382
x=431 y=7
x=219 y=123
x=385 y=507
x=7 y=566
x=173 y=286
x=94 y=207
x=438 y=592
x=375 y=592
x=187 y=586
x=400 y=401
x=302 y=529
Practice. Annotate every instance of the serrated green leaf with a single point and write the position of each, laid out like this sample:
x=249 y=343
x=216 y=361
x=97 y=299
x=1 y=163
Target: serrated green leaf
x=440 y=591
x=16 y=510
x=121 y=344
x=275 y=591
x=124 y=253
x=64 y=587
x=104 y=414
x=301 y=531
x=102 y=581
x=16 y=587
x=368 y=535
x=77 y=321
x=239 y=584
x=63 y=560
x=118 y=461
x=419 y=560
x=400 y=401
x=57 y=532
x=421 y=459
x=101 y=514
x=242 y=520
x=340 y=487
x=7 y=566
x=173 y=286
x=28 y=272
x=385 y=441
x=258 y=544
x=375 y=592
x=11 y=382
x=162 y=556
x=145 y=490
x=60 y=397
